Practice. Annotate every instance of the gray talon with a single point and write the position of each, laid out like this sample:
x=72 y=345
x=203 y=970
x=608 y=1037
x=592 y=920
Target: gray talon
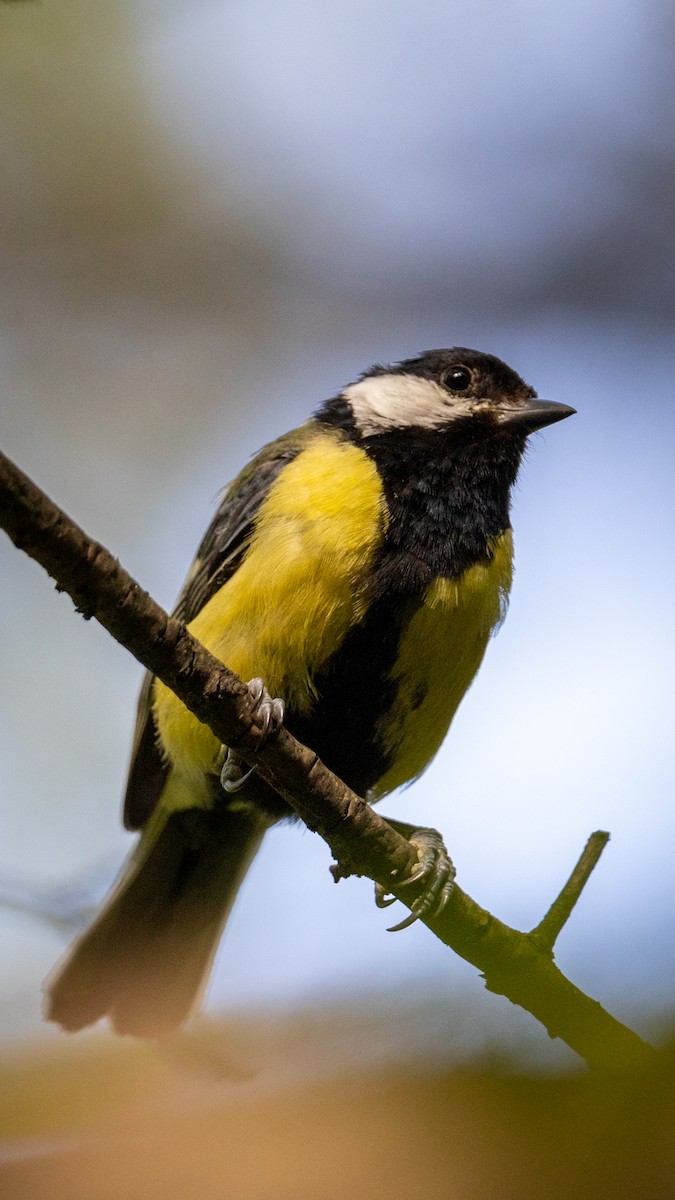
x=435 y=868
x=231 y=777
x=382 y=897
x=270 y=711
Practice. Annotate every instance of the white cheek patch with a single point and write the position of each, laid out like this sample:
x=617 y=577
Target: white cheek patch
x=383 y=402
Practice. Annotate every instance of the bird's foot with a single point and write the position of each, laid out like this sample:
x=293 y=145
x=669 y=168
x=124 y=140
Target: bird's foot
x=435 y=869
x=269 y=711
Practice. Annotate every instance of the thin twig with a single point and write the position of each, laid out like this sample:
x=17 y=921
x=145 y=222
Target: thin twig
x=545 y=934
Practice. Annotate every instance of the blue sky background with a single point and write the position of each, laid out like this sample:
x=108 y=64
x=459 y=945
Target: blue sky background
x=214 y=215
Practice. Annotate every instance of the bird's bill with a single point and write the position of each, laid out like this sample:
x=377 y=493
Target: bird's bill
x=529 y=415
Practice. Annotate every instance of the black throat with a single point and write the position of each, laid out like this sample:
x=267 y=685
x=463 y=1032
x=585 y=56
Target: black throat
x=448 y=495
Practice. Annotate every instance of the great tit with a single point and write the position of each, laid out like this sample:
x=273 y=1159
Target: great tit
x=358 y=565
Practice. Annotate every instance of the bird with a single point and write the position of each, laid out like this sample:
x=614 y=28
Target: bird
x=355 y=570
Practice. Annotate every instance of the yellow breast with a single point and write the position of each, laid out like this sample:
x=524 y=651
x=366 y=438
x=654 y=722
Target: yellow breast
x=439 y=655
x=301 y=586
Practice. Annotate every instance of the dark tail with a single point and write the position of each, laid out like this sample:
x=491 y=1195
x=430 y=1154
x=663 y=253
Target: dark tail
x=145 y=959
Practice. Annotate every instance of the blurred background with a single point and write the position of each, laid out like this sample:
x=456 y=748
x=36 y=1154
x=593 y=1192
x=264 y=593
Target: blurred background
x=215 y=214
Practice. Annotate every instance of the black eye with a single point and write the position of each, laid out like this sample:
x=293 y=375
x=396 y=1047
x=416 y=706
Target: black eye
x=457 y=379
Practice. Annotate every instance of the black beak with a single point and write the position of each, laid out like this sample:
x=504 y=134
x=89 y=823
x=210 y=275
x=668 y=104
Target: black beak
x=526 y=416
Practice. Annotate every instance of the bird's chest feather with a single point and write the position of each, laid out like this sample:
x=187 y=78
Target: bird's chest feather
x=441 y=586
x=439 y=652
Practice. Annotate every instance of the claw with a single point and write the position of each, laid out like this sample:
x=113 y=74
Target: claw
x=435 y=867
x=231 y=778
x=405 y=924
x=270 y=711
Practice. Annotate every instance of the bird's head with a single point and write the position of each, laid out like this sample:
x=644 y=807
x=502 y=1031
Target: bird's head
x=455 y=390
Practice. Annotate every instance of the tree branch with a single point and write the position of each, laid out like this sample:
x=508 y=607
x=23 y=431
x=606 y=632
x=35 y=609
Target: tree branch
x=545 y=934
x=515 y=964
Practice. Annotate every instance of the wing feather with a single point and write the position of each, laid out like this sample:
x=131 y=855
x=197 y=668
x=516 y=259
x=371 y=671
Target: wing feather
x=220 y=553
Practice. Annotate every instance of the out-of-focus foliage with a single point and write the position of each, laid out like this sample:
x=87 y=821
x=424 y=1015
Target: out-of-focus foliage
x=136 y=1121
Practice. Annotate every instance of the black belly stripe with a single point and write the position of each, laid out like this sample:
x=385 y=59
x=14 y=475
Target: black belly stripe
x=354 y=693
